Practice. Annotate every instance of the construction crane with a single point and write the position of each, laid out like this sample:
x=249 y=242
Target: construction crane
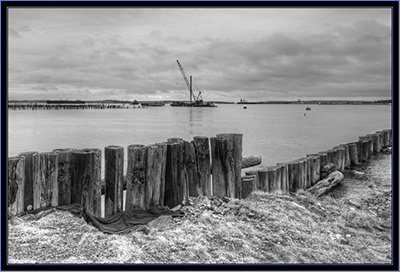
x=189 y=85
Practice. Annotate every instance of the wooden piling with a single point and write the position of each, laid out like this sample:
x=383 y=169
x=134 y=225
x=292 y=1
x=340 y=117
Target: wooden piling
x=314 y=168
x=85 y=179
x=45 y=180
x=64 y=175
x=190 y=163
x=248 y=185
x=114 y=178
x=353 y=153
x=365 y=150
x=292 y=175
x=155 y=175
x=323 y=158
x=255 y=174
x=340 y=158
x=28 y=184
x=262 y=176
x=16 y=183
x=203 y=161
x=226 y=151
x=272 y=179
x=284 y=177
x=173 y=182
x=376 y=142
x=136 y=178
x=380 y=138
x=386 y=136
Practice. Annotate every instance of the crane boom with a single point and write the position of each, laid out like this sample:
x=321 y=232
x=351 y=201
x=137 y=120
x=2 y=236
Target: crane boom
x=186 y=80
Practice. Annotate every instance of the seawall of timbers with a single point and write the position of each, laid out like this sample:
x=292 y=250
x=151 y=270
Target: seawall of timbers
x=167 y=173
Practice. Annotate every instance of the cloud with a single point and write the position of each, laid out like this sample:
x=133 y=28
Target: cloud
x=133 y=52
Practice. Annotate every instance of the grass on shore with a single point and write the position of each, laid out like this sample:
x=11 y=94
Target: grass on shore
x=263 y=228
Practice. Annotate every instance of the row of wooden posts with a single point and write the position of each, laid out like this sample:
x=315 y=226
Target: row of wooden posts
x=166 y=174
x=163 y=174
x=305 y=172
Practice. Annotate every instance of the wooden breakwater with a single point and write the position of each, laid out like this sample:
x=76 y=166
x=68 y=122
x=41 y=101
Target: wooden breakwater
x=162 y=174
x=306 y=172
x=167 y=173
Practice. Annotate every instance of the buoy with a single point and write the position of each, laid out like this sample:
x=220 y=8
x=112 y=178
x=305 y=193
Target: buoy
x=244 y=107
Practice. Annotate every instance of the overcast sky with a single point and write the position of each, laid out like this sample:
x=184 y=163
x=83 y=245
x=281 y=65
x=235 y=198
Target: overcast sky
x=258 y=54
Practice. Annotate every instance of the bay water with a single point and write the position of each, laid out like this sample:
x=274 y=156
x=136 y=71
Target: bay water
x=279 y=133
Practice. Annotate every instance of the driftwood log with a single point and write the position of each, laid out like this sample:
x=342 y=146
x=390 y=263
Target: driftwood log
x=327 y=184
x=251 y=161
x=327 y=169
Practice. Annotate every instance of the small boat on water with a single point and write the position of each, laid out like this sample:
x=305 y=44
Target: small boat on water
x=308 y=109
x=195 y=101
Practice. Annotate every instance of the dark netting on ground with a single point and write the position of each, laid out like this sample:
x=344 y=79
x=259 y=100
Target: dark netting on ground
x=118 y=223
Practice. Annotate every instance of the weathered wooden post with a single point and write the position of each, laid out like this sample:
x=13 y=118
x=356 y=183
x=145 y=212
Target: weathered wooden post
x=155 y=175
x=262 y=176
x=353 y=153
x=333 y=157
x=64 y=175
x=136 y=178
x=28 y=185
x=347 y=156
x=202 y=151
x=376 y=142
x=380 y=137
x=183 y=165
x=248 y=185
x=390 y=137
x=314 y=168
x=45 y=181
x=85 y=179
x=191 y=166
x=340 y=158
x=226 y=151
x=386 y=136
x=303 y=170
x=173 y=186
x=114 y=178
x=323 y=159
x=371 y=147
x=16 y=183
x=272 y=179
x=284 y=176
x=365 y=151
x=256 y=181
x=292 y=175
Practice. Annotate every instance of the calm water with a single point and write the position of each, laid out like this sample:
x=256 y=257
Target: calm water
x=278 y=133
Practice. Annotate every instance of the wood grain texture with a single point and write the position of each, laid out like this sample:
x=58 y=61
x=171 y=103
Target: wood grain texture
x=114 y=177
x=64 y=175
x=28 y=186
x=203 y=160
x=155 y=175
x=45 y=181
x=16 y=183
x=136 y=178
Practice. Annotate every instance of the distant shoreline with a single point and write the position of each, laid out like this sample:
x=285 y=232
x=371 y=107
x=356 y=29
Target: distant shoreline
x=305 y=102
